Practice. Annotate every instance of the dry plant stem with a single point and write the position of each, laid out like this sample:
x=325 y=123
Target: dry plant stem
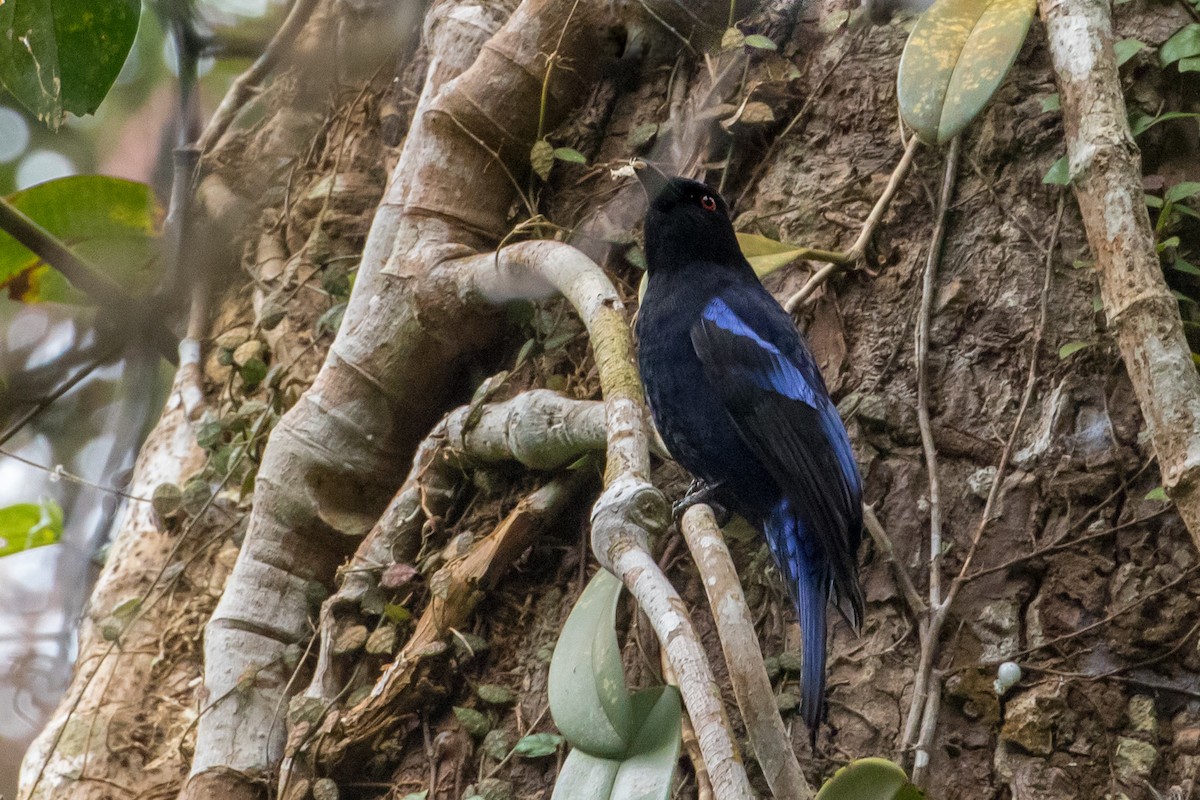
x=460 y=583
x=540 y=429
x=859 y=248
x=1107 y=179
x=928 y=627
x=248 y=82
x=916 y=604
x=937 y=620
x=747 y=674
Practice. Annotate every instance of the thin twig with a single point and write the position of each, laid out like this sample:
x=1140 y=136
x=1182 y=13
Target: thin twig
x=916 y=604
x=83 y=276
x=44 y=403
x=58 y=473
x=929 y=284
x=247 y=83
x=1042 y=552
x=929 y=627
x=859 y=248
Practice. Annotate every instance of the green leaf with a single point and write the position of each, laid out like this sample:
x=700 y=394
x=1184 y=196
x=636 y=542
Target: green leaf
x=1166 y=243
x=331 y=320
x=421 y=795
x=108 y=222
x=869 y=779
x=477 y=724
x=760 y=42
x=1059 y=173
x=1190 y=64
x=767 y=255
x=956 y=56
x=1184 y=44
x=25 y=526
x=586 y=685
x=1186 y=267
x=1052 y=103
x=648 y=770
x=1139 y=123
x=642 y=134
x=495 y=695
x=1158 y=494
x=541 y=158
x=1181 y=191
x=537 y=745
x=127 y=608
x=569 y=154
x=396 y=613
x=1071 y=348
x=64 y=55
x=1127 y=49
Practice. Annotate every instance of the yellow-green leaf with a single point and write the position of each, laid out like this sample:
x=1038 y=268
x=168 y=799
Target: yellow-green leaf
x=955 y=58
x=869 y=779
x=28 y=525
x=767 y=255
x=1071 y=348
x=570 y=154
x=760 y=42
x=110 y=223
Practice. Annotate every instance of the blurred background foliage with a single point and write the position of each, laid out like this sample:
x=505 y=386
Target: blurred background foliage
x=62 y=467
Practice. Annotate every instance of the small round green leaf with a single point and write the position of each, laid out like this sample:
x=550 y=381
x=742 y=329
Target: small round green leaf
x=955 y=58
x=569 y=154
x=476 y=724
x=537 y=745
x=1071 y=348
x=1127 y=49
x=760 y=42
x=1059 y=173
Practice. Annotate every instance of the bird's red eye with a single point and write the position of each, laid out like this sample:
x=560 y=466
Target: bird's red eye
x=708 y=203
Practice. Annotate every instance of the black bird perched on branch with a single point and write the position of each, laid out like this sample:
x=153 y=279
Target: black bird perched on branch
x=741 y=404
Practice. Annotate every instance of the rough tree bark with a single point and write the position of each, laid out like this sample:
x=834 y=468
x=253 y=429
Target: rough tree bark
x=1079 y=578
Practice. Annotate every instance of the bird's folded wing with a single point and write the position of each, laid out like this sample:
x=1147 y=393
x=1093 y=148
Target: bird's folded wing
x=786 y=418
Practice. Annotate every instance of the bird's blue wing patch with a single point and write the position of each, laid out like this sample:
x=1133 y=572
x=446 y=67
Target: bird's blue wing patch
x=771 y=369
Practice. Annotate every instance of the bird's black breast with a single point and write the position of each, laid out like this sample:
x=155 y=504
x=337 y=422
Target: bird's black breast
x=687 y=410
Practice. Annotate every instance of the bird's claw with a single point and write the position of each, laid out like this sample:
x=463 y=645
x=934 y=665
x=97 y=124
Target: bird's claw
x=700 y=492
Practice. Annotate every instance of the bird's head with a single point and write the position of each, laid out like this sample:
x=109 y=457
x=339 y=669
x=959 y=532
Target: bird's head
x=687 y=221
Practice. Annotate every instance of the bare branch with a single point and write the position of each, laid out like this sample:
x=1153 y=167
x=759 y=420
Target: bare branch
x=1107 y=178
x=739 y=643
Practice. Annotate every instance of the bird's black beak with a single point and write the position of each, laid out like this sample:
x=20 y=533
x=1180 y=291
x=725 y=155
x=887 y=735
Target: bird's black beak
x=652 y=178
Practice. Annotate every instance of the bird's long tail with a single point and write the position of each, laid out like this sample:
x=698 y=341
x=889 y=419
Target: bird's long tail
x=807 y=581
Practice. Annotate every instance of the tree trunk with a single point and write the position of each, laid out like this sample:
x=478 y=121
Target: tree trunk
x=258 y=639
